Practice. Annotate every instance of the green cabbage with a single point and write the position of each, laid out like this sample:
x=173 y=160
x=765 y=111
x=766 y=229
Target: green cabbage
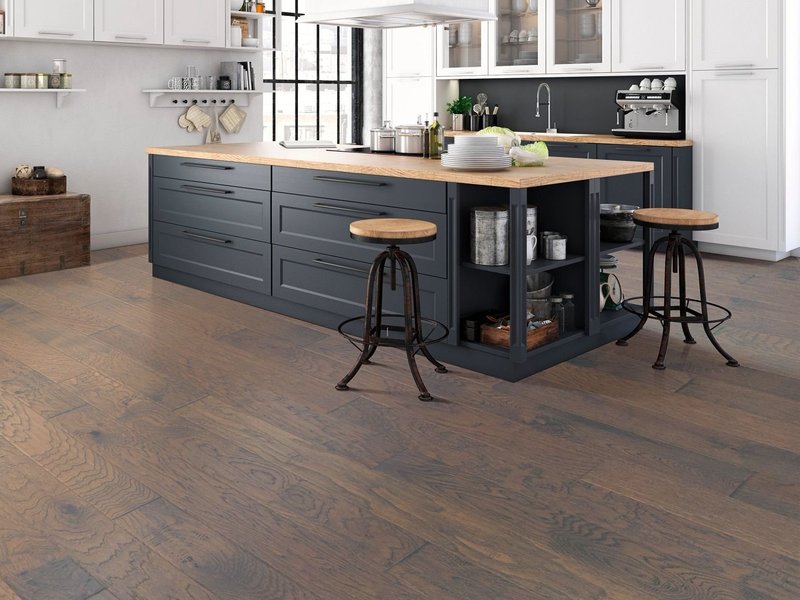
x=505 y=137
x=530 y=155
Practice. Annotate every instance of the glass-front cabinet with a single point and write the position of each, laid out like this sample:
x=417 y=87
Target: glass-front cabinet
x=578 y=36
x=462 y=49
x=516 y=39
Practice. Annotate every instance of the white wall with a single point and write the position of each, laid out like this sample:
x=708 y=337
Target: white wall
x=98 y=137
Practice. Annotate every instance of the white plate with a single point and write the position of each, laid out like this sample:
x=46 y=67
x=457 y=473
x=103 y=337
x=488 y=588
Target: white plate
x=480 y=153
x=477 y=168
x=476 y=140
x=477 y=163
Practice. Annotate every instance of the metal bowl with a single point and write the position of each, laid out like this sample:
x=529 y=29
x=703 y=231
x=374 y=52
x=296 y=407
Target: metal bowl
x=539 y=285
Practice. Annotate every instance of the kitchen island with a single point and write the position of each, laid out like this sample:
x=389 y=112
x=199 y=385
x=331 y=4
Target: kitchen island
x=265 y=225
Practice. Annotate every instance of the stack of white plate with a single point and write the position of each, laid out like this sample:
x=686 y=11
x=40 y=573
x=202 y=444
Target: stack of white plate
x=476 y=153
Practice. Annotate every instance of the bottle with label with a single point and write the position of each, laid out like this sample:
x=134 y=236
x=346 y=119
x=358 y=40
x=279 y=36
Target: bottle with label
x=426 y=141
x=436 y=139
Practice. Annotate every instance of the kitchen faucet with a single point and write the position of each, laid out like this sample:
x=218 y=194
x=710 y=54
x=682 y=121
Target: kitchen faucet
x=538 y=104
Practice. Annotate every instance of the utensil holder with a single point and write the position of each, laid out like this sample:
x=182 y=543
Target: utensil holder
x=488 y=121
x=475 y=123
x=458 y=122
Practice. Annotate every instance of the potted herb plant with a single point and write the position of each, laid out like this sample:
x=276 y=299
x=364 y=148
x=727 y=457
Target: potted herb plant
x=458 y=108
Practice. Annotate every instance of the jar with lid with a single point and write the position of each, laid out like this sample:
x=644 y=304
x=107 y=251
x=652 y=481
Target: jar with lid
x=489 y=235
x=569 y=311
x=12 y=80
x=66 y=81
x=42 y=81
x=59 y=65
x=27 y=81
x=557 y=309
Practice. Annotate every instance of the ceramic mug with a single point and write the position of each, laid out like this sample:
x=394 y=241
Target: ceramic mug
x=532 y=241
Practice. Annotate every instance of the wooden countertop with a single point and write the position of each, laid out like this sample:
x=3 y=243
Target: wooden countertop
x=557 y=170
x=588 y=138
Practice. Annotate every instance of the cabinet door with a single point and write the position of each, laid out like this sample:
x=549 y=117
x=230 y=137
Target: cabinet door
x=131 y=22
x=568 y=150
x=735 y=34
x=736 y=137
x=462 y=49
x=516 y=39
x=408 y=52
x=407 y=98
x=194 y=23
x=648 y=35
x=578 y=36
x=54 y=19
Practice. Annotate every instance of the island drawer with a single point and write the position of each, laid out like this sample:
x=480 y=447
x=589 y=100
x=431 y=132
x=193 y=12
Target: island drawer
x=258 y=177
x=339 y=285
x=429 y=196
x=226 y=259
x=230 y=210
x=324 y=226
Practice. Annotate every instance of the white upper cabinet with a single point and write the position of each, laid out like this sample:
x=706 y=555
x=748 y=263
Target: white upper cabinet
x=408 y=98
x=516 y=39
x=54 y=19
x=408 y=51
x=462 y=49
x=578 y=36
x=139 y=22
x=648 y=35
x=195 y=23
x=735 y=34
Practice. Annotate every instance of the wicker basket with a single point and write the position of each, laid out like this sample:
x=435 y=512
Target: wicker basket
x=536 y=337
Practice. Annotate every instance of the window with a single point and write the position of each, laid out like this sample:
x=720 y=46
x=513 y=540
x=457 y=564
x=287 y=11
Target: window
x=316 y=82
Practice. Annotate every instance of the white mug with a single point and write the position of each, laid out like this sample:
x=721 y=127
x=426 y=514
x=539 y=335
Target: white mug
x=532 y=241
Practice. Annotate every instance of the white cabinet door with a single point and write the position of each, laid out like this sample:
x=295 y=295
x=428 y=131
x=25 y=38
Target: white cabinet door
x=409 y=51
x=735 y=132
x=407 y=98
x=131 y=22
x=462 y=50
x=578 y=36
x=648 y=35
x=195 y=23
x=54 y=19
x=731 y=34
x=516 y=39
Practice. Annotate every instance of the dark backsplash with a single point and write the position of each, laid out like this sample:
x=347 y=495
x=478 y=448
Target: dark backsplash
x=579 y=104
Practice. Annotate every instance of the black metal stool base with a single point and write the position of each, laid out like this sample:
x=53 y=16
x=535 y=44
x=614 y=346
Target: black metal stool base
x=376 y=330
x=678 y=309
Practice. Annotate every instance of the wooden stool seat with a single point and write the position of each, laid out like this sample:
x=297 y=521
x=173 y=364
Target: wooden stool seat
x=393 y=231
x=676 y=218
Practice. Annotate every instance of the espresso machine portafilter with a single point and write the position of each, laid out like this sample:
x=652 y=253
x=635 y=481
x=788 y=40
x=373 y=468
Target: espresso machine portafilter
x=647 y=114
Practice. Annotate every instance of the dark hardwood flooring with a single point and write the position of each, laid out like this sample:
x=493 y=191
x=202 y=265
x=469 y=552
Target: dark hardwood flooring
x=157 y=442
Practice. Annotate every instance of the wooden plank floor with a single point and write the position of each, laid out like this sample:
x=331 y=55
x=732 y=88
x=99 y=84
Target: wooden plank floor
x=158 y=442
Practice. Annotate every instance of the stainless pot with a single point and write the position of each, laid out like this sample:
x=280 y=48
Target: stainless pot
x=616 y=222
x=409 y=139
x=381 y=139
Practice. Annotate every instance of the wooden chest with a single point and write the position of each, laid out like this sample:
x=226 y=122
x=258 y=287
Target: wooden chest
x=43 y=233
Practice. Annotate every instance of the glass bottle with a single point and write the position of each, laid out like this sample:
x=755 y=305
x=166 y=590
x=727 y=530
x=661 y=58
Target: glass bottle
x=436 y=138
x=426 y=141
x=557 y=308
x=569 y=311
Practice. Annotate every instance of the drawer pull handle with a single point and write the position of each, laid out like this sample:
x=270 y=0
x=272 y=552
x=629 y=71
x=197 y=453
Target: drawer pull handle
x=357 y=211
x=207 y=238
x=64 y=33
x=203 y=166
x=138 y=38
x=352 y=181
x=195 y=41
x=198 y=188
x=344 y=267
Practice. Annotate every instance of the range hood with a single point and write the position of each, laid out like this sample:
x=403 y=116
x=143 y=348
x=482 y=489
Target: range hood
x=388 y=14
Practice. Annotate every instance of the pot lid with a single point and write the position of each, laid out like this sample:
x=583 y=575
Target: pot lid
x=386 y=14
x=410 y=128
x=615 y=209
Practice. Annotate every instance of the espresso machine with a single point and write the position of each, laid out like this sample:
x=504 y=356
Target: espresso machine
x=648 y=114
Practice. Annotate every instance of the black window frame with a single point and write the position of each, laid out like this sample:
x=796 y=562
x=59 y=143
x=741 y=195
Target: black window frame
x=356 y=83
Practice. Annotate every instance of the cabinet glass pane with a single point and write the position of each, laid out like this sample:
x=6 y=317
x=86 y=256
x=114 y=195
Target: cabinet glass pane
x=463 y=45
x=578 y=31
x=517 y=33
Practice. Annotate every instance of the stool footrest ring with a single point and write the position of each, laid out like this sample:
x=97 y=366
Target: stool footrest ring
x=438 y=332
x=659 y=311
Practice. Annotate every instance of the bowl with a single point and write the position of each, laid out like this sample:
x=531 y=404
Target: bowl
x=539 y=285
x=250 y=42
x=616 y=222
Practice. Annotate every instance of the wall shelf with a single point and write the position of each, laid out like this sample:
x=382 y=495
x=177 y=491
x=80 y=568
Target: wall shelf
x=60 y=94
x=180 y=98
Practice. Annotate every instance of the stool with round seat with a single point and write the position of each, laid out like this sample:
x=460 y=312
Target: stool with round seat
x=377 y=332
x=684 y=312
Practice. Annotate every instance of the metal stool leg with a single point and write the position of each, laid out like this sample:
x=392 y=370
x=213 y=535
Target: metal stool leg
x=367 y=345
x=440 y=368
x=687 y=335
x=410 y=334
x=648 y=293
x=732 y=362
x=378 y=307
x=665 y=323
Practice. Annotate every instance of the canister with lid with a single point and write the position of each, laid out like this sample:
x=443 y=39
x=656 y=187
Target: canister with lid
x=27 y=81
x=382 y=138
x=42 y=81
x=489 y=235
x=12 y=80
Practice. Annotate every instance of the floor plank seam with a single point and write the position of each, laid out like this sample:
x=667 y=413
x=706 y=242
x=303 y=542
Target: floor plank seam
x=135 y=508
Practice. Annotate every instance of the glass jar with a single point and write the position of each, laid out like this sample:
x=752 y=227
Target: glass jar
x=557 y=310
x=59 y=65
x=66 y=81
x=569 y=311
x=54 y=81
x=42 y=81
x=27 y=81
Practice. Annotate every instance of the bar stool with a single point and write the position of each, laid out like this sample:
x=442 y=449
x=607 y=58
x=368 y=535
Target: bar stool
x=394 y=232
x=676 y=219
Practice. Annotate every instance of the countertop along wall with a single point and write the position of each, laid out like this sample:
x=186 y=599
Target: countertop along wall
x=99 y=136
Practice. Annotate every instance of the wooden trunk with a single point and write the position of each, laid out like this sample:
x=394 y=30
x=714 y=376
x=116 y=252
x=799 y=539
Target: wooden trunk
x=43 y=233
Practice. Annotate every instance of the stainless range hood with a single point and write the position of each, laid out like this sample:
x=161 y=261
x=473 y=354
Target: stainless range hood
x=388 y=14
